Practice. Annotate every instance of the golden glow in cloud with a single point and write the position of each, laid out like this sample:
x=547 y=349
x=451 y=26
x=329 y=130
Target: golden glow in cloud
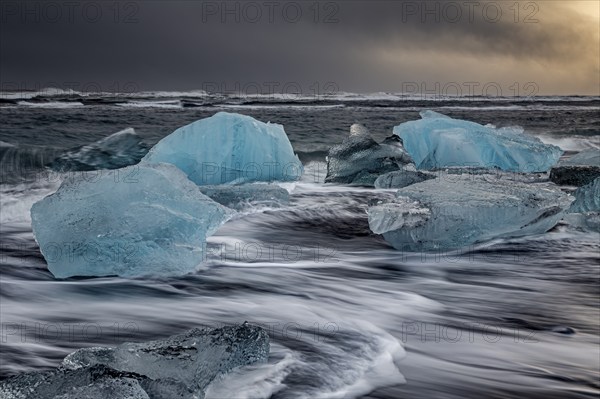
x=560 y=53
x=590 y=8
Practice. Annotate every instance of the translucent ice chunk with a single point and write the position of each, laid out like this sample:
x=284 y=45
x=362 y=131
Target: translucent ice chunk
x=97 y=382
x=118 y=150
x=139 y=220
x=438 y=141
x=465 y=209
x=585 y=210
x=398 y=214
x=402 y=178
x=194 y=358
x=229 y=148
x=181 y=366
x=587 y=198
x=360 y=160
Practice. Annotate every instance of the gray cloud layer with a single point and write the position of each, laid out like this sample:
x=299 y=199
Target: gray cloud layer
x=366 y=46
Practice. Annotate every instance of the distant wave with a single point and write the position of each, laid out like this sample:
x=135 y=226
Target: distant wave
x=537 y=107
x=573 y=143
x=169 y=94
x=55 y=92
x=52 y=104
x=384 y=96
x=277 y=106
x=47 y=92
x=172 y=104
x=180 y=104
x=338 y=96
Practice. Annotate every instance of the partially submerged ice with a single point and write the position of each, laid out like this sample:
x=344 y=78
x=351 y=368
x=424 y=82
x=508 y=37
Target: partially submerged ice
x=360 y=160
x=400 y=213
x=459 y=210
x=243 y=196
x=402 y=178
x=118 y=150
x=181 y=366
x=587 y=221
x=587 y=198
x=579 y=170
x=139 y=220
x=438 y=141
x=585 y=210
x=229 y=148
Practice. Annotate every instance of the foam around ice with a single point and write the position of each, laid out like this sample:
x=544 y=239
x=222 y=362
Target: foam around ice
x=438 y=141
x=228 y=147
x=242 y=196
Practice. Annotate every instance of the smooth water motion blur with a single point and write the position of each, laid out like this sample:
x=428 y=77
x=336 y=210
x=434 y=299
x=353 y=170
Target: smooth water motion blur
x=348 y=315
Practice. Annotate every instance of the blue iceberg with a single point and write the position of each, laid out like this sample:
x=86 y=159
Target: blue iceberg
x=459 y=210
x=229 y=148
x=181 y=366
x=139 y=220
x=438 y=141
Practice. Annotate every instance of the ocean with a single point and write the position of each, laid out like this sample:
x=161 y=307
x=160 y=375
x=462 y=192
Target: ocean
x=348 y=316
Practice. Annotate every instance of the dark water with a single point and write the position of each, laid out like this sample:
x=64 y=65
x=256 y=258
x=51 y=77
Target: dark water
x=348 y=315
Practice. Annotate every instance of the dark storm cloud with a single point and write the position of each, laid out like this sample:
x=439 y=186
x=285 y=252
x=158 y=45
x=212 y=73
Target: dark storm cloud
x=359 y=45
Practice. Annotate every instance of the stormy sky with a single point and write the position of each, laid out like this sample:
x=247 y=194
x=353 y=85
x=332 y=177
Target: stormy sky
x=450 y=47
